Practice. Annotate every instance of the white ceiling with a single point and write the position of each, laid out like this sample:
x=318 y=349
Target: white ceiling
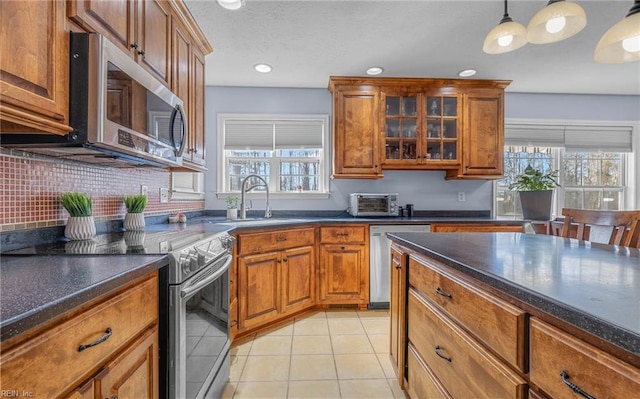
x=308 y=41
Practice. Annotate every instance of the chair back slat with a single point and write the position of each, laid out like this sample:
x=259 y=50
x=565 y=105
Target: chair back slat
x=624 y=226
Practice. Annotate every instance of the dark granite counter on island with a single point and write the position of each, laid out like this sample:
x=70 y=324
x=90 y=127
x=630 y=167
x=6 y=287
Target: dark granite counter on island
x=35 y=289
x=591 y=286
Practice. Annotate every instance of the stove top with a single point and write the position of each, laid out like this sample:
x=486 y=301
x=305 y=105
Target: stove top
x=154 y=240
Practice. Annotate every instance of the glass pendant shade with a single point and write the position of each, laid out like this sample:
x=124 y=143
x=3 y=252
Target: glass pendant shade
x=621 y=43
x=231 y=4
x=557 y=21
x=505 y=37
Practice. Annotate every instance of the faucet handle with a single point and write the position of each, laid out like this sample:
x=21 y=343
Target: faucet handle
x=249 y=206
x=267 y=212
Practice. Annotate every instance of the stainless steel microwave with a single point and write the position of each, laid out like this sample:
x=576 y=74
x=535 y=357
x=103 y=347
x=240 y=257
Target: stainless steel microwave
x=370 y=204
x=120 y=113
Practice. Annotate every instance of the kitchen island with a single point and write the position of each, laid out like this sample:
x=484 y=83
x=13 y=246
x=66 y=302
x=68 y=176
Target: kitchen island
x=525 y=307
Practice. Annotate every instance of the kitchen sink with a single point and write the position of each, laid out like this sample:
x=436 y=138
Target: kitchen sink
x=260 y=221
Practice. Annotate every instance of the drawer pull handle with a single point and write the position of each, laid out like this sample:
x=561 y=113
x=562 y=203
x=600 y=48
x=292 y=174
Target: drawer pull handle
x=440 y=292
x=565 y=378
x=281 y=239
x=437 y=349
x=100 y=340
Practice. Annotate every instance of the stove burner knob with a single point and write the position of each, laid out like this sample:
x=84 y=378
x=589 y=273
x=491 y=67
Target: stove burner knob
x=193 y=263
x=185 y=267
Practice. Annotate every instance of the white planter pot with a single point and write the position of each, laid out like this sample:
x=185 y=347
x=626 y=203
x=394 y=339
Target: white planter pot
x=232 y=213
x=134 y=221
x=80 y=228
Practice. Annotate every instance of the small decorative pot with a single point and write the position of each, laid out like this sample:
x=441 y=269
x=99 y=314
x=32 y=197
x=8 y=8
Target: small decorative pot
x=80 y=228
x=232 y=213
x=134 y=221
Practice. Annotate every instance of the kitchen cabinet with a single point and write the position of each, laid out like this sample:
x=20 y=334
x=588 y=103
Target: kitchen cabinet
x=475 y=228
x=141 y=28
x=397 y=310
x=425 y=124
x=276 y=275
x=34 y=78
x=344 y=265
x=482 y=135
x=111 y=343
x=355 y=152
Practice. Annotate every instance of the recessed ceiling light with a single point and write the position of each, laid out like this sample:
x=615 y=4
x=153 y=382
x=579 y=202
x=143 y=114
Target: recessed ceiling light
x=231 y=4
x=375 y=71
x=264 y=68
x=465 y=73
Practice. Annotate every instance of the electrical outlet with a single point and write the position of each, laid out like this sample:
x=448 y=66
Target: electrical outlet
x=461 y=196
x=164 y=195
x=144 y=190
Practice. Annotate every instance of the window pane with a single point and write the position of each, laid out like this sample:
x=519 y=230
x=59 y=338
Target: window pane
x=300 y=153
x=239 y=168
x=592 y=199
x=248 y=154
x=611 y=200
x=299 y=175
x=573 y=199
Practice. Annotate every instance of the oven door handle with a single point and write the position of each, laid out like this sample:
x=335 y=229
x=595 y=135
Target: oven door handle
x=188 y=291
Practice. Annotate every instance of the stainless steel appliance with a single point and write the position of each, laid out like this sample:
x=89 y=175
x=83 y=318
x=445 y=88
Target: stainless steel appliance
x=371 y=204
x=380 y=258
x=121 y=114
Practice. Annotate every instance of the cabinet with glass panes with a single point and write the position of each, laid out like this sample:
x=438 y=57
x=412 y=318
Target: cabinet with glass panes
x=421 y=129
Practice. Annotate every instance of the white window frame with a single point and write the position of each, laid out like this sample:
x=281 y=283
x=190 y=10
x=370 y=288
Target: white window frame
x=325 y=160
x=630 y=162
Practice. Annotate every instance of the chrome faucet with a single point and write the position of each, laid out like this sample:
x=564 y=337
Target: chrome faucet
x=243 y=190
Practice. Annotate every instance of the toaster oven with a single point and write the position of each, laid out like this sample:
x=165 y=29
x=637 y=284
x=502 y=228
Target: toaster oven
x=371 y=204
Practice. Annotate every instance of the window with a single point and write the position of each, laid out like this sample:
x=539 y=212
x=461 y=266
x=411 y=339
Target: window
x=592 y=162
x=287 y=151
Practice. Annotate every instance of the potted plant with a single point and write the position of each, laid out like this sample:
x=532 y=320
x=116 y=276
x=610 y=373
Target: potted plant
x=232 y=206
x=536 y=192
x=80 y=225
x=135 y=204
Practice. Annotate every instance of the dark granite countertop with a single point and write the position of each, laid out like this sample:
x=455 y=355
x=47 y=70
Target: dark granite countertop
x=594 y=287
x=34 y=289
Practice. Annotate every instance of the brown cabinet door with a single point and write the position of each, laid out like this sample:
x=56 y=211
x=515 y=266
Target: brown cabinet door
x=114 y=19
x=356 y=133
x=196 y=146
x=298 y=279
x=258 y=288
x=483 y=133
x=154 y=37
x=134 y=373
x=34 y=67
x=397 y=312
x=401 y=128
x=344 y=274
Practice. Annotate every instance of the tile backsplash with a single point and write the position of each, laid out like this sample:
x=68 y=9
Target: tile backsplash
x=30 y=190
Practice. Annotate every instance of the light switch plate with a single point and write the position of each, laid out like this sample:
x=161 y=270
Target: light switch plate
x=144 y=190
x=461 y=196
x=164 y=195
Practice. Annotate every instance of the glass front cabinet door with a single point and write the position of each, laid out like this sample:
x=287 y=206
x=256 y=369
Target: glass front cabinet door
x=442 y=129
x=401 y=128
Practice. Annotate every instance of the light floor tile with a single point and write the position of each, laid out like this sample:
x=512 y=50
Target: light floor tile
x=343 y=344
x=380 y=342
x=358 y=366
x=311 y=345
x=342 y=314
x=387 y=366
x=395 y=388
x=237 y=365
x=266 y=368
x=377 y=314
x=320 y=314
x=376 y=326
x=242 y=346
x=345 y=326
x=280 y=329
x=271 y=345
x=370 y=389
x=314 y=389
x=311 y=327
x=261 y=390
x=229 y=390
x=312 y=367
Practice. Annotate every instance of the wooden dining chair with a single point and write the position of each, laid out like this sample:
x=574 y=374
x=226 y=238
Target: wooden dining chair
x=610 y=227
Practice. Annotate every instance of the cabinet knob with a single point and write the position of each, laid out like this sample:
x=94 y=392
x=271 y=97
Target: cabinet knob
x=141 y=52
x=134 y=45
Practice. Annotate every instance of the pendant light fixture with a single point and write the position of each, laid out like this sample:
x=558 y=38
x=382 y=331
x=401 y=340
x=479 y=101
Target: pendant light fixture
x=231 y=4
x=505 y=37
x=621 y=43
x=557 y=21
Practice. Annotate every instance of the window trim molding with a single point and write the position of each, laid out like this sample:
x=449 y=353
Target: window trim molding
x=631 y=166
x=221 y=170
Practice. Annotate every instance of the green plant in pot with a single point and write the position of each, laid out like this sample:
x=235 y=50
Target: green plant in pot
x=135 y=204
x=80 y=225
x=232 y=206
x=535 y=189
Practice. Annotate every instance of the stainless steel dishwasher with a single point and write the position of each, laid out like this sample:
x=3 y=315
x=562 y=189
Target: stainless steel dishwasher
x=379 y=258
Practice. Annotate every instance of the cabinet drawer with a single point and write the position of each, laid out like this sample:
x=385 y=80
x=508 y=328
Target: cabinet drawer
x=463 y=366
x=475 y=228
x=595 y=372
x=275 y=240
x=421 y=381
x=500 y=325
x=343 y=234
x=56 y=354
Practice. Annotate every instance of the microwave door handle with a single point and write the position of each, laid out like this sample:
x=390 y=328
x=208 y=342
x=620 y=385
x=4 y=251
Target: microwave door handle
x=183 y=138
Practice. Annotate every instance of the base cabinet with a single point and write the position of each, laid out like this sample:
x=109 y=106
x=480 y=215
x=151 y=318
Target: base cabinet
x=397 y=309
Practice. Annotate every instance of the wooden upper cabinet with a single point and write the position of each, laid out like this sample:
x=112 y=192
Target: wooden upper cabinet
x=141 y=28
x=355 y=131
x=196 y=148
x=34 y=67
x=483 y=135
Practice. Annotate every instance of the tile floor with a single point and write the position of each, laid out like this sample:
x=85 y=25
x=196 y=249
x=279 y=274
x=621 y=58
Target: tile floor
x=334 y=354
